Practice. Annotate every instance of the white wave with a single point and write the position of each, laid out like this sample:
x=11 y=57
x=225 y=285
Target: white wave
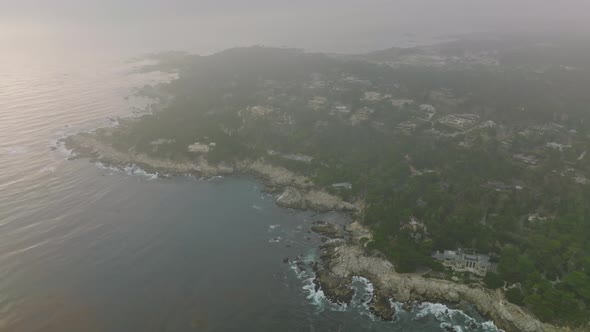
x=300 y=273
x=438 y=310
x=366 y=287
x=363 y=295
x=270 y=227
x=130 y=170
x=446 y=315
x=310 y=257
x=490 y=326
x=319 y=299
x=256 y=207
x=106 y=167
x=455 y=328
x=135 y=170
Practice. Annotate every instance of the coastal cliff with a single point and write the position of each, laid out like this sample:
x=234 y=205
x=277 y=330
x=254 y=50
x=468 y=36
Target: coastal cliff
x=340 y=261
x=298 y=192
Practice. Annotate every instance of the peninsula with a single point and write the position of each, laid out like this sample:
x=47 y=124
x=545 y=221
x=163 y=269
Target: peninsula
x=456 y=145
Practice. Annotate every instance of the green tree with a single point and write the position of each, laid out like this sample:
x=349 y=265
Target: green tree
x=514 y=295
x=493 y=280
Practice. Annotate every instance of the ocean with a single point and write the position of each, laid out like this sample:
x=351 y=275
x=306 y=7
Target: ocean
x=84 y=247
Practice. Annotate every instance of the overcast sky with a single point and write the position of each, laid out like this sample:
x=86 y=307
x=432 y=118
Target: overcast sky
x=329 y=25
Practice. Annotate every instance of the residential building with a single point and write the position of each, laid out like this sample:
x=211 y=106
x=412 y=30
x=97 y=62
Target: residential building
x=461 y=260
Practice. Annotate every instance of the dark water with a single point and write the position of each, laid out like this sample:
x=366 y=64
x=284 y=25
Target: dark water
x=86 y=248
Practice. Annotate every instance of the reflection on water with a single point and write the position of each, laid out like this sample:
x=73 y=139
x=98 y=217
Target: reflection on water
x=85 y=248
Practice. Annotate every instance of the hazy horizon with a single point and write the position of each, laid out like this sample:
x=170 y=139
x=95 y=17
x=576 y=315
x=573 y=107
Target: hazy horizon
x=330 y=26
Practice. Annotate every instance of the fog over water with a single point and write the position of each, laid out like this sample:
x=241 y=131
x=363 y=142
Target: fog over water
x=84 y=247
x=88 y=248
x=207 y=26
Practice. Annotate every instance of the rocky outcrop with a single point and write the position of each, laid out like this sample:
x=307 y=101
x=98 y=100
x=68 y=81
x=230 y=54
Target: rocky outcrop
x=299 y=192
x=291 y=198
x=346 y=260
x=322 y=201
x=87 y=145
x=338 y=290
x=273 y=176
x=381 y=307
x=328 y=230
x=278 y=177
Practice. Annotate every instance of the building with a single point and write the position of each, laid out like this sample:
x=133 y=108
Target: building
x=375 y=96
x=199 y=148
x=342 y=109
x=557 y=146
x=459 y=121
x=464 y=261
x=318 y=103
x=342 y=185
x=399 y=103
x=361 y=116
x=407 y=126
x=526 y=159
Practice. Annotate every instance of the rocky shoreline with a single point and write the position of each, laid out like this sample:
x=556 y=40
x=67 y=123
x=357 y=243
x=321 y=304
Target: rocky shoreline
x=343 y=260
x=343 y=257
x=297 y=191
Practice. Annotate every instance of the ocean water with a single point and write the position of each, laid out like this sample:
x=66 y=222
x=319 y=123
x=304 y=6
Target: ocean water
x=87 y=248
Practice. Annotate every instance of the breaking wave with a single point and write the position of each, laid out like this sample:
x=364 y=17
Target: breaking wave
x=130 y=170
x=450 y=318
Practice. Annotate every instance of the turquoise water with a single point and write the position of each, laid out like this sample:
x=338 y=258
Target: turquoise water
x=87 y=248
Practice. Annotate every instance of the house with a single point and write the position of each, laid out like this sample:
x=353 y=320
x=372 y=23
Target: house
x=527 y=159
x=426 y=111
x=407 y=126
x=341 y=109
x=399 y=103
x=318 y=103
x=361 y=115
x=461 y=260
x=557 y=146
x=459 y=121
x=375 y=96
x=199 y=148
x=342 y=185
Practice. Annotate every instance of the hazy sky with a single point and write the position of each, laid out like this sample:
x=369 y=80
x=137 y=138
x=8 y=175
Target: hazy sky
x=329 y=25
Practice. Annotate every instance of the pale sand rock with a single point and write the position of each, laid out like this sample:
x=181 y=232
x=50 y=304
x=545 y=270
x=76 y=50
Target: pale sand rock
x=90 y=146
x=277 y=176
x=348 y=260
x=322 y=201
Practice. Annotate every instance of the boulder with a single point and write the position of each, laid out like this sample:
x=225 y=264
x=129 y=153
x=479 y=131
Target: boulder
x=336 y=289
x=291 y=198
x=329 y=230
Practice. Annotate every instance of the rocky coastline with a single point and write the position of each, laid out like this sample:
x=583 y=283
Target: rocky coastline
x=296 y=191
x=341 y=258
x=340 y=261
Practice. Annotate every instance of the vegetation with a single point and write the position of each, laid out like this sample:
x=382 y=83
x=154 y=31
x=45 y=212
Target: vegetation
x=463 y=184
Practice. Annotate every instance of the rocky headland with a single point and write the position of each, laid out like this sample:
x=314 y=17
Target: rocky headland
x=343 y=257
x=340 y=261
x=296 y=191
